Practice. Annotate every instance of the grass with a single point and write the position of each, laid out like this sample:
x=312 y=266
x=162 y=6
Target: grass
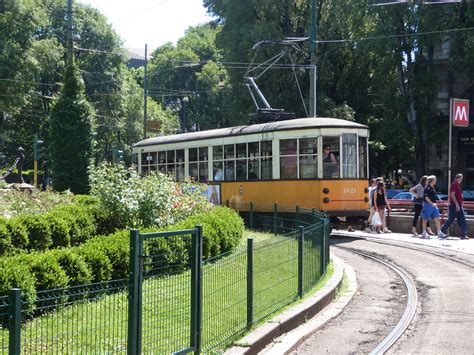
x=99 y=325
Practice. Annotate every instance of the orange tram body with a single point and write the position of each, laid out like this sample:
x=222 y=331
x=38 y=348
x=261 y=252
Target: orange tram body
x=319 y=163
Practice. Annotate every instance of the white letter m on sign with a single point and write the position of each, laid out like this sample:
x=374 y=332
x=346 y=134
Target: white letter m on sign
x=460 y=114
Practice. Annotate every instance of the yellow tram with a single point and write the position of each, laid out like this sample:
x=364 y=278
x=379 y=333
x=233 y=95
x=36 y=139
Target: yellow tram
x=317 y=163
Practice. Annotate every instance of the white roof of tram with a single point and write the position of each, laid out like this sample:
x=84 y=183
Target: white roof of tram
x=299 y=123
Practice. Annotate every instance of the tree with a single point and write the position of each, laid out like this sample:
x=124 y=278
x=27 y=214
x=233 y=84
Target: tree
x=70 y=135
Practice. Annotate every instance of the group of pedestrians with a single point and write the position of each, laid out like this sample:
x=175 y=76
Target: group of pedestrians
x=424 y=205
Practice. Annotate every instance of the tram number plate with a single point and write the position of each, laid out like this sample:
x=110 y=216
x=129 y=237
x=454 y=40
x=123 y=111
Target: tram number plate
x=350 y=190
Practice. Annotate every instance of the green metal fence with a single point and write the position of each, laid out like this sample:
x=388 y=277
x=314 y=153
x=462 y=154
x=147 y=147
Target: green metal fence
x=177 y=303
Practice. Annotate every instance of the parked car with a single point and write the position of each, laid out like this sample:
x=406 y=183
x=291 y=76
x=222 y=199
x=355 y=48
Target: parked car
x=409 y=196
x=392 y=193
x=403 y=196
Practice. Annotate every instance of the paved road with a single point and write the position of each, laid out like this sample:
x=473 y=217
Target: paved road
x=444 y=321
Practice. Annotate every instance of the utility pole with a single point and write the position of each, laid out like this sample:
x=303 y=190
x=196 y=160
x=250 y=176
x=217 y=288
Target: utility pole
x=145 y=92
x=312 y=49
x=69 y=31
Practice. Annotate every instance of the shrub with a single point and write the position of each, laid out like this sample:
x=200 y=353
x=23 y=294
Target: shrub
x=60 y=231
x=5 y=238
x=98 y=261
x=47 y=271
x=155 y=200
x=39 y=233
x=18 y=233
x=77 y=270
x=15 y=274
x=80 y=222
x=116 y=247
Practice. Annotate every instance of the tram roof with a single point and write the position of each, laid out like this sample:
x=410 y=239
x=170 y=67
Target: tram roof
x=299 y=123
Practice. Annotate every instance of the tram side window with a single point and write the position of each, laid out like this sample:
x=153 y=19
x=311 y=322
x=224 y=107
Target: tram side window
x=331 y=157
x=198 y=164
x=253 y=161
x=266 y=159
x=288 y=159
x=148 y=162
x=218 y=163
x=308 y=158
x=349 y=155
x=362 y=157
x=229 y=164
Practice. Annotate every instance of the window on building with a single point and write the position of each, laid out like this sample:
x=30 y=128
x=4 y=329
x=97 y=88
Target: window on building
x=330 y=157
x=349 y=155
x=362 y=157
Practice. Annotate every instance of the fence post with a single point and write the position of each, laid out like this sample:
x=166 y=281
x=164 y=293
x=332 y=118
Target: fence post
x=133 y=346
x=313 y=216
x=196 y=290
x=275 y=209
x=323 y=250
x=251 y=215
x=227 y=203
x=14 y=322
x=300 y=261
x=249 y=283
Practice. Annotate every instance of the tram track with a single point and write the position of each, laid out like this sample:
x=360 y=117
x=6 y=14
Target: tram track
x=407 y=245
x=410 y=309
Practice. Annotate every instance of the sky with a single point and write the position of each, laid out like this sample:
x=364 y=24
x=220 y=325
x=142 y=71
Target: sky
x=151 y=22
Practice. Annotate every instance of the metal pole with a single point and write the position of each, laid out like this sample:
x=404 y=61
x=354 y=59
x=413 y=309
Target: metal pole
x=145 y=92
x=199 y=293
x=133 y=297
x=69 y=31
x=451 y=115
x=300 y=261
x=35 y=176
x=249 y=283
x=312 y=49
x=14 y=323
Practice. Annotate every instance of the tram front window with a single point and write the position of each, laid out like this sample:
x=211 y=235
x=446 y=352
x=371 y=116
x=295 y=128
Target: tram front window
x=330 y=157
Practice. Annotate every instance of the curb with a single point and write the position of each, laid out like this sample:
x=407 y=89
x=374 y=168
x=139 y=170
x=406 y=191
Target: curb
x=290 y=319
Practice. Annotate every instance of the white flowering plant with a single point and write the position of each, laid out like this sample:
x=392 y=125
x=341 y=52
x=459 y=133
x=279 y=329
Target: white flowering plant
x=154 y=200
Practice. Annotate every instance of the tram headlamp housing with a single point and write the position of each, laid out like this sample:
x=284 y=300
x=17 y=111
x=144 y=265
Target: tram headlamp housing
x=326 y=200
x=325 y=190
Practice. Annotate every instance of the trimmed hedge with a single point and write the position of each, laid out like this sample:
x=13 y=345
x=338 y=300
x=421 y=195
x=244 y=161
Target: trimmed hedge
x=63 y=226
x=106 y=258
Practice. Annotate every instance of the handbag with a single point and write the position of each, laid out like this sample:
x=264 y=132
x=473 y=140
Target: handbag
x=376 y=221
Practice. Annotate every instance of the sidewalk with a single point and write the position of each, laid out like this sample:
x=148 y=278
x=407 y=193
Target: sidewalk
x=450 y=243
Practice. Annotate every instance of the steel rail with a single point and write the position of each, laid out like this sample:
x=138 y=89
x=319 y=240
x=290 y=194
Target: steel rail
x=410 y=309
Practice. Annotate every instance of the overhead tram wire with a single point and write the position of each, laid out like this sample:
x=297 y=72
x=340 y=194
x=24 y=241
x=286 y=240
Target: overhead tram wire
x=395 y=36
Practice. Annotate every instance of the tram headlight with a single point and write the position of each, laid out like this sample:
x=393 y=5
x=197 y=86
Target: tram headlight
x=326 y=200
x=325 y=190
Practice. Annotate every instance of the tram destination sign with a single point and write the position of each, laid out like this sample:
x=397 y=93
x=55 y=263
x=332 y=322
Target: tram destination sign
x=466 y=141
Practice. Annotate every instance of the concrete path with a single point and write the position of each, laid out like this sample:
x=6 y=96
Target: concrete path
x=451 y=243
